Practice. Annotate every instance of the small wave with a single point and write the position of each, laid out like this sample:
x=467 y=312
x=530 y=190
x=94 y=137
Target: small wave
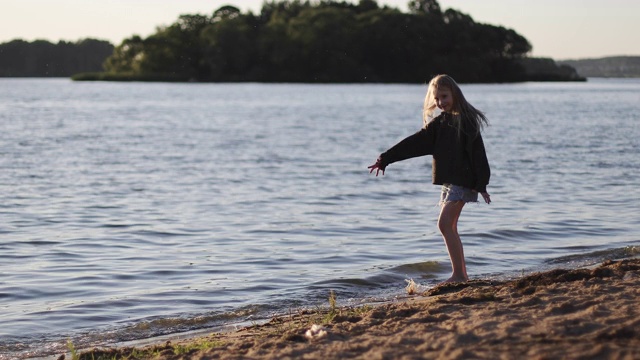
x=145 y=330
x=345 y=283
x=595 y=257
x=514 y=235
x=424 y=269
x=384 y=283
x=171 y=325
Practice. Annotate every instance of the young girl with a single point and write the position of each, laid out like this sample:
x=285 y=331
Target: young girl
x=459 y=159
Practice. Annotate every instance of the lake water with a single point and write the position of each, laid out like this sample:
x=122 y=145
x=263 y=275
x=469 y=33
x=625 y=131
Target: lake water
x=136 y=210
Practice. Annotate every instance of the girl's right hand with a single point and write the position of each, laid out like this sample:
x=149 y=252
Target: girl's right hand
x=377 y=167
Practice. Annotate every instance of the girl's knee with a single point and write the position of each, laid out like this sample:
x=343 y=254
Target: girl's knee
x=448 y=219
x=445 y=226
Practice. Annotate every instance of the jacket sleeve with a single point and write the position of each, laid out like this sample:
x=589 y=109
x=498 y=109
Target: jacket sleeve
x=480 y=165
x=418 y=144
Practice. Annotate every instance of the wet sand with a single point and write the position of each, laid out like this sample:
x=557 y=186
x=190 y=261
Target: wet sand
x=561 y=314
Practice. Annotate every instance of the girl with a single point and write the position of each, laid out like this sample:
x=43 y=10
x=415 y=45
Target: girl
x=459 y=159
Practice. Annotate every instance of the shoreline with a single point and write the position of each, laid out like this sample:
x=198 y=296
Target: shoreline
x=558 y=314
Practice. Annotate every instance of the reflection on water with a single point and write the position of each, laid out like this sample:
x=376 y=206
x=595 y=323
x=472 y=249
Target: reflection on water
x=137 y=210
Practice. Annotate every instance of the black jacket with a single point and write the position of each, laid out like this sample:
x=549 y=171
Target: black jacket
x=456 y=160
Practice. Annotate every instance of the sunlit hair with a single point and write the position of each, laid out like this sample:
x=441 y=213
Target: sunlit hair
x=467 y=118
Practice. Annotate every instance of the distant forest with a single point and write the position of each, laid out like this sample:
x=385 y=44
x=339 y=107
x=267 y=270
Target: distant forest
x=614 y=66
x=316 y=41
x=41 y=58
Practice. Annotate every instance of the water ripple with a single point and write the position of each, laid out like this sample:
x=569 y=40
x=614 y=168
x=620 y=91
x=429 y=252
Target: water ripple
x=137 y=210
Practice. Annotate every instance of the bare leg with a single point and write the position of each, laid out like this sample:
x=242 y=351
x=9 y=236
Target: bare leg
x=448 y=225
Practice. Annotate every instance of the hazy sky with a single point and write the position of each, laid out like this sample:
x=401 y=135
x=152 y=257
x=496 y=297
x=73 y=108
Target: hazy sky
x=561 y=29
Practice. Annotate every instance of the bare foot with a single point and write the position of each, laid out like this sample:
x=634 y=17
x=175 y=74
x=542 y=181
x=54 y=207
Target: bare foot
x=455 y=280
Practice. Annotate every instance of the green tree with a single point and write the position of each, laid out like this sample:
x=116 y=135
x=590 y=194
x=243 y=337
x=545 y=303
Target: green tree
x=177 y=50
x=366 y=5
x=42 y=58
x=229 y=46
x=278 y=54
x=126 y=57
x=226 y=12
x=325 y=37
x=327 y=41
x=431 y=7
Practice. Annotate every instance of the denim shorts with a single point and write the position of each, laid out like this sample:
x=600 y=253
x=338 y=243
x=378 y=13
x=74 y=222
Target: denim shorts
x=452 y=193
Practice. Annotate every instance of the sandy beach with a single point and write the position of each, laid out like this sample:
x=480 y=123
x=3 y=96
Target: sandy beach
x=561 y=314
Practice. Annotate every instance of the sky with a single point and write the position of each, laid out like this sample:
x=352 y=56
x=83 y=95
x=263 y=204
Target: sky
x=559 y=29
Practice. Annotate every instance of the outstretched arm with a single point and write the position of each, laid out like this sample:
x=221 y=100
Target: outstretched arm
x=418 y=144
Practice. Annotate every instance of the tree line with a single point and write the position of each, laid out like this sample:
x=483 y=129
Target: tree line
x=324 y=41
x=299 y=41
x=611 y=66
x=41 y=58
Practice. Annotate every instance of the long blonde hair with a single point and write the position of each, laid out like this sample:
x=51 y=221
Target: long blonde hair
x=467 y=119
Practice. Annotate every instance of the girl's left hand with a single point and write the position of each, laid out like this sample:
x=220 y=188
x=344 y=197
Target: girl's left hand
x=485 y=196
